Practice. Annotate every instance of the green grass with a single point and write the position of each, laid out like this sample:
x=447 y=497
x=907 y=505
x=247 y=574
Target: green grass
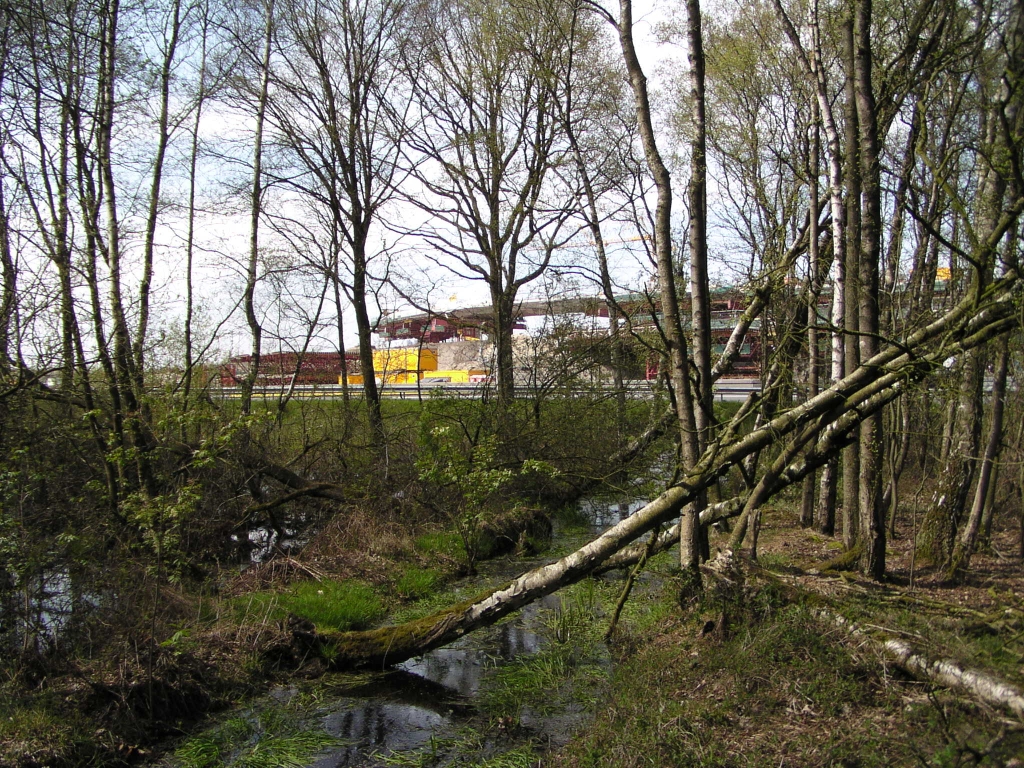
x=767 y=670
x=39 y=730
x=431 y=603
x=567 y=670
x=416 y=583
x=520 y=757
x=447 y=543
x=468 y=750
x=777 y=687
x=992 y=639
x=273 y=738
x=330 y=605
x=571 y=520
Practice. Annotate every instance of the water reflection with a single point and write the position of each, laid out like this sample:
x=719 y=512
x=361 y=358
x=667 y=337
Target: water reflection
x=378 y=726
x=402 y=709
x=47 y=603
x=456 y=669
x=603 y=513
x=55 y=600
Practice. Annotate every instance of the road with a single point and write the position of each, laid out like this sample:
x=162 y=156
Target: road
x=726 y=390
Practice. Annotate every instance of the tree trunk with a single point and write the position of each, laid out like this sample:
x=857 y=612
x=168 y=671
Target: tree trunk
x=941 y=523
x=942 y=520
x=503 y=307
x=255 y=211
x=339 y=325
x=851 y=318
x=700 y=288
x=193 y=160
x=968 y=538
x=152 y=215
x=812 y=66
x=674 y=338
x=364 y=329
x=814 y=283
x=872 y=515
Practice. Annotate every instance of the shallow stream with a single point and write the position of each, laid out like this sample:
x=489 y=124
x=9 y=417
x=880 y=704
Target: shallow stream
x=431 y=703
x=444 y=708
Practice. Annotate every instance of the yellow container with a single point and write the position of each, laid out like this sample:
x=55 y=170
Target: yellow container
x=408 y=377
x=387 y=361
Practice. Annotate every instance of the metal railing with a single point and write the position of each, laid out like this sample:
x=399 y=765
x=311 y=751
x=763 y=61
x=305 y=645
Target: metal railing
x=725 y=390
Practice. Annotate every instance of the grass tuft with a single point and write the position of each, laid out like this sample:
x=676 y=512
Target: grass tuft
x=36 y=730
x=445 y=543
x=331 y=605
x=273 y=738
x=416 y=583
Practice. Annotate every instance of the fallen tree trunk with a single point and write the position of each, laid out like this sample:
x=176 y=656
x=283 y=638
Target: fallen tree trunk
x=300 y=486
x=823 y=423
x=983 y=687
x=377 y=648
x=979 y=685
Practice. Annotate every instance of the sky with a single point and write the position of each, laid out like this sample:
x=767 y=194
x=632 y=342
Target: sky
x=223 y=239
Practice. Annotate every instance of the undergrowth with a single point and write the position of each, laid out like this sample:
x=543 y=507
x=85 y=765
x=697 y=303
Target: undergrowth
x=991 y=639
x=570 y=668
x=40 y=729
x=415 y=583
x=756 y=680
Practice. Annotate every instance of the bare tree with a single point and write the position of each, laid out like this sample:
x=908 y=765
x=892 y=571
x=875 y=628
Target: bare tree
x=998 y=178
x=485 y=148
x=337 y=113
x=679 y=375
x=256 y=204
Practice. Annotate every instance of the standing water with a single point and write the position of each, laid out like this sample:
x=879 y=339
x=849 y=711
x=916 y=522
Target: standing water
x=510 y=690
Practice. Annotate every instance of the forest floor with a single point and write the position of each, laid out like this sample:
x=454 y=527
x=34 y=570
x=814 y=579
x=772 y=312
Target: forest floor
x=754 y=677
x=763 y=680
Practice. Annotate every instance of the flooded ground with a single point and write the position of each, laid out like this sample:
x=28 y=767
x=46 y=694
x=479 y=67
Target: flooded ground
x=431 y=704
x=522 y=686
x=456 y=705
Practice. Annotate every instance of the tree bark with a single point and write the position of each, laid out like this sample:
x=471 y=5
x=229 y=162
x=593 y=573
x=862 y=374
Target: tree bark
x=942 y=521
x=193 y=160
x=255 y=211
x=807 y=506
x=851 y=313
x=812 y=65
x=673 y=330
x=872 y=514
x=968 y=539
x=700 y=288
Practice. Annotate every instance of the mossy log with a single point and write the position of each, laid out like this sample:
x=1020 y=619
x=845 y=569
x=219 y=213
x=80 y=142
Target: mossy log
x=378 y=648
x=521 y=528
